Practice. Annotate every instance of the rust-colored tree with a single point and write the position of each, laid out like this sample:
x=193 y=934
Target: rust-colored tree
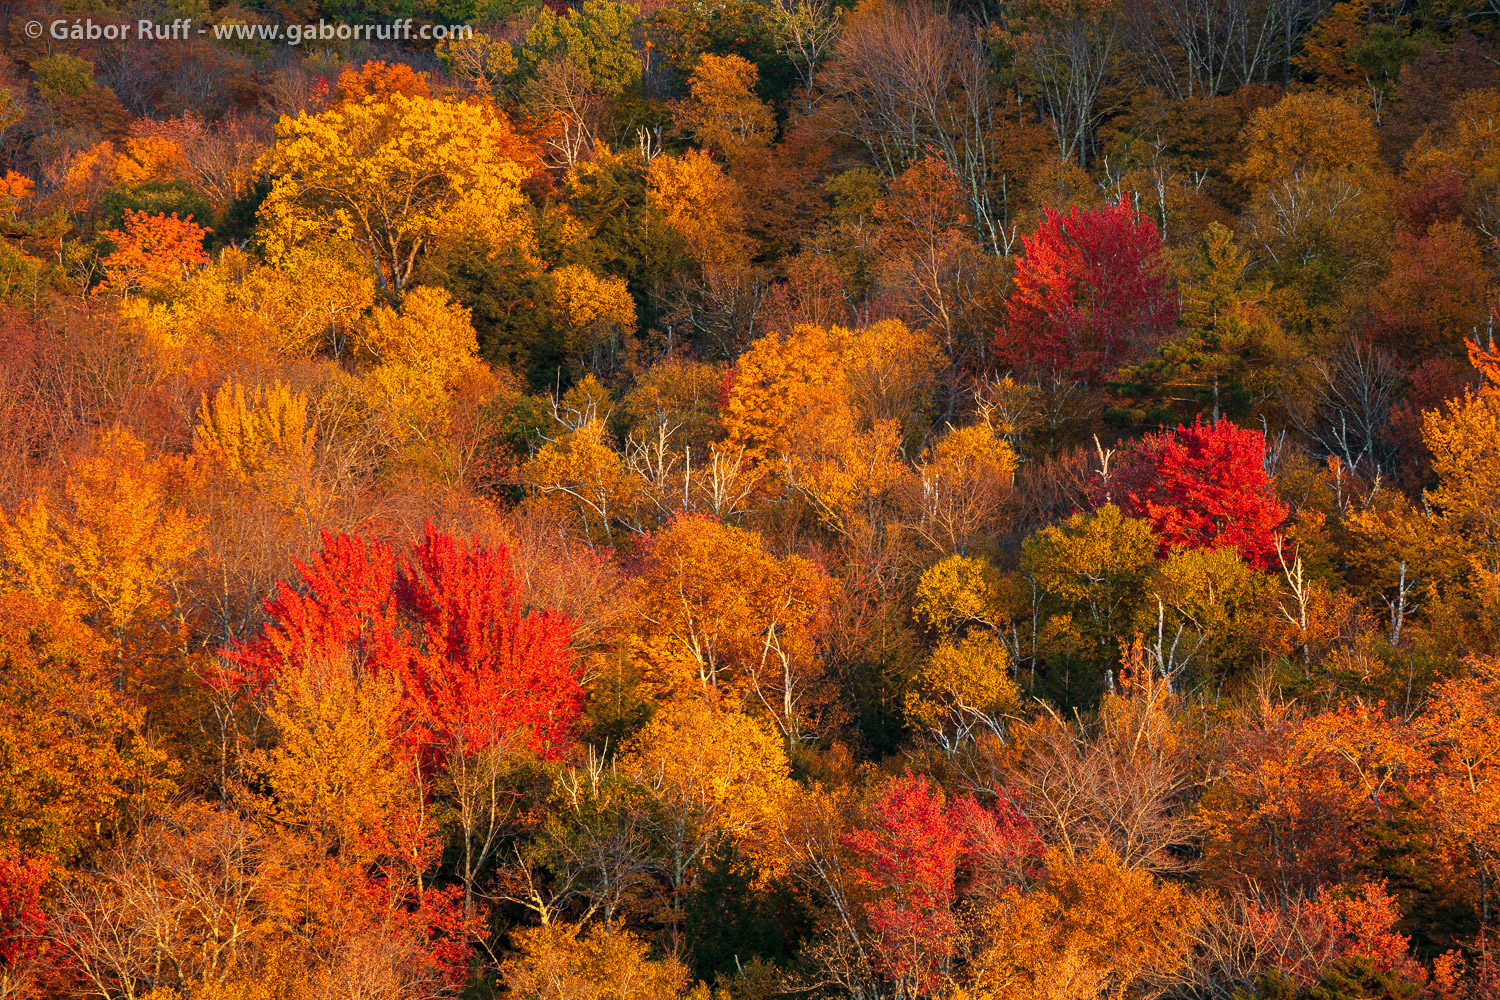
x=153 y=250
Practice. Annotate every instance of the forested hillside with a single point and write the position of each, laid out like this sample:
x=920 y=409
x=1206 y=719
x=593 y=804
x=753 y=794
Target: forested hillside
x=749 y=499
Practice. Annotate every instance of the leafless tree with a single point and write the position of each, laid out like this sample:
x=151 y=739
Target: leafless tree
x=563 y=95
x=1124 y=781
x=1347 y=406
x=1199 y=48
x=807 y=30
x=1071 y=50
x=909 y=82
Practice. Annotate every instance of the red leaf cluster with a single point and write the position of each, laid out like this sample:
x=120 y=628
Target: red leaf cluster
x=476 y=668
x=23 y=922
x=1203 y=486
x=1091 y=293
x=912 y=856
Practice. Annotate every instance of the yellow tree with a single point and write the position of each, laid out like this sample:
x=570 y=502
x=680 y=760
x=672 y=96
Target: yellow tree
x=964 y=485
x=721 y=615
x=778 y=380
x=111 y=549
x=423 y=354
x=568 y=962
x=335 y=772
x=716 y=775
x=579 y=466
x=1091 y=928
x=594 y=312
x=265 y=433
x=705 y=207
x=966 y=687
x=1464 y=439
x=1306 y=132
x=305 y=304
x=723 y=112
x=789 y=392
x=71 y=754
x=390 y=176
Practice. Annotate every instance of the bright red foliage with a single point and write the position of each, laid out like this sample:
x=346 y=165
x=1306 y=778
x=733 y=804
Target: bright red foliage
x=474 y=667
x=910 y=858
x=1204 y=486
x=1091 y=292
x=1306 y=936
x=488 y=669
x=23 y=923
x=913 y=857
x=348 y=609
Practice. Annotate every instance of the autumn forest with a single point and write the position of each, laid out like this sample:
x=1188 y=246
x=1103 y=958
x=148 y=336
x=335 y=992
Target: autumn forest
x=750 y=500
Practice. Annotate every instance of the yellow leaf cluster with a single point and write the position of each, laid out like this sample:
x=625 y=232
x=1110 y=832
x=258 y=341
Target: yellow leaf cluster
x=1464 y=440
x=389 y=177
x=1092 y=929
x=333 y=772
x=150 y=158
x=722 y=765
x=266 y=430
x=423 y=354
x=1306 y=132
x=721 y=614
x=704 y=206
x=112 y=547
x=238 y=305
x=724 y=114
x=593 y=310
x=563 y=961
x=963 y=685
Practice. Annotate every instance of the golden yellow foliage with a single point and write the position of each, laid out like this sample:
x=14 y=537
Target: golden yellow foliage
x=721 y=614
x=964 y=485
x=305 y=304
x=1467 y=144
x=1464 y=439
x=111 y=549
x=264 y=431
x=964 y=687
x=958 y=592
x=1094 y=928
x=724 y=114
x=388 y=177
x=1306 y=132
x=566 y=962
x=150 y=158
x=423 y=354
x=71 y=753
x=777 y=382
x=594 y=311
x=334 y=771
x=721 y=766
x=581 y=466
x=705 y=207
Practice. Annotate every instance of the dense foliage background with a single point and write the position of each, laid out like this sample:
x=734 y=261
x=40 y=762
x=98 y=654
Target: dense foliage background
x=743 y=499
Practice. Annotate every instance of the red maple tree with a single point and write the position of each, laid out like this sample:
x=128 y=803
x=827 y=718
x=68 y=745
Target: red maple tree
x=1091 y=292
x=909 y=857
x=487 y=669
x=346 y=608
x=916 y=855
x=23 y=922
x=475 y=666
x=1203 y=486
